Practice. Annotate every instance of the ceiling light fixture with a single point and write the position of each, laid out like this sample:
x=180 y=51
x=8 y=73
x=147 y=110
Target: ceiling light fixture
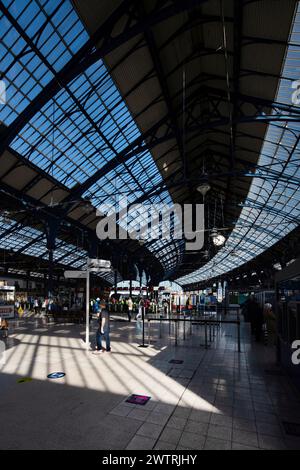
x=203 y=188
x=217 y=238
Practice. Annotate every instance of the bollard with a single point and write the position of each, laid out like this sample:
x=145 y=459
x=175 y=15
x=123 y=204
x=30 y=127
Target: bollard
x=176 y=331
x=143 y=345
x=205 y=330
x=149 y=331
x=239 y=335
x=184 y=326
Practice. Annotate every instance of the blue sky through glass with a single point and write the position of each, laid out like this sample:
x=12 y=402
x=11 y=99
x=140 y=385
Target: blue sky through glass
x=271 y=209
x=32 y=242
x=85 y=125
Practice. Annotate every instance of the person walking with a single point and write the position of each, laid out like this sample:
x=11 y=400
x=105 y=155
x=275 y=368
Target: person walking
x=166 y=308
x=103 y=330
x=141 y=306
x=130 y=308
x=36 y=306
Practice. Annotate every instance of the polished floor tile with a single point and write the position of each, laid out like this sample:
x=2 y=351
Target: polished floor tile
x=216 y=399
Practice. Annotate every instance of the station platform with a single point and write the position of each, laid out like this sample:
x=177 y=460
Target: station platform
x=214 y=398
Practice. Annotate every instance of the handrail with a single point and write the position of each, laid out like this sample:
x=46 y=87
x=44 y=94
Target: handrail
x=201 y=321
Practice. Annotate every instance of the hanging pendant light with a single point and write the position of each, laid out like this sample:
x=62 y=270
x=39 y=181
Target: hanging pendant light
x=165 y=167
x=203 y=189
x=217 y=238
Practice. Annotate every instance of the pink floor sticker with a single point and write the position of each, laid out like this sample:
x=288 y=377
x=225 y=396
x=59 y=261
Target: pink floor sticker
x=138 y=399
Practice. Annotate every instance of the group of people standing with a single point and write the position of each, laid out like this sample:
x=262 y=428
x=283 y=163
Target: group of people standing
x=257 y=316
x=38 y=305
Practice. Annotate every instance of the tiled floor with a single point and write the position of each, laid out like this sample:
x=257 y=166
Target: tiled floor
x=217 y=398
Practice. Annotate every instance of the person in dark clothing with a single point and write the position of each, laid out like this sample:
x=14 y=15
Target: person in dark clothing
x=245 y=311
x=103 y=329
x=255 y=313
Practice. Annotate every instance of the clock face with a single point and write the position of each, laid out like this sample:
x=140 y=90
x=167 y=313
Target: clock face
x=219 y=240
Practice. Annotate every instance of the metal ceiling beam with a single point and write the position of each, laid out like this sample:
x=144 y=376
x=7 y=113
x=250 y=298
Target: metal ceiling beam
x=17 y=224
x=237 y=38
x=271 y=255
x=248 y=40
x=254 y=204
x=44 y=211
x=100 y=44
x=154 y=52
x=29 y=244
x=264 y=206
x=77 y=102
x=151 y=138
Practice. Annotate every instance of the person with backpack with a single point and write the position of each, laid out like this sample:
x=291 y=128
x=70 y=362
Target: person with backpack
x=96 y=305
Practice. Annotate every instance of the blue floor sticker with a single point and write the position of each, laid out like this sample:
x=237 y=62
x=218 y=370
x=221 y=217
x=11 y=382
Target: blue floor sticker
x=56 y=375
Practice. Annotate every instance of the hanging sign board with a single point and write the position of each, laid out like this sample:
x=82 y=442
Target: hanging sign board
x=99 y=263
x=75 y=274
x=7 y=311
x=100 y=270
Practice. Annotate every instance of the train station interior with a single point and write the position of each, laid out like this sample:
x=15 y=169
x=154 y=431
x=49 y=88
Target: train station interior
x=149 y=225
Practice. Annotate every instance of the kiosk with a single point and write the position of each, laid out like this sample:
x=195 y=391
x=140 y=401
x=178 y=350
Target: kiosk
x=7 y=302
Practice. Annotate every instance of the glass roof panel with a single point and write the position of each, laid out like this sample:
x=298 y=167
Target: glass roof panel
x=86 y=124
x=272 y=208
x=55 y=30
x=23 y=239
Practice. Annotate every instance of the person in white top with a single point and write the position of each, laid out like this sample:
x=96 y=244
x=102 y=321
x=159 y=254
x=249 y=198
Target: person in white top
x=141 y=306
x=130 y=308
x=36 y=306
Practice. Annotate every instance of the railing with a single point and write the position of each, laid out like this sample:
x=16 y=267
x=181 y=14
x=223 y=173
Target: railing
x=209 y=328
